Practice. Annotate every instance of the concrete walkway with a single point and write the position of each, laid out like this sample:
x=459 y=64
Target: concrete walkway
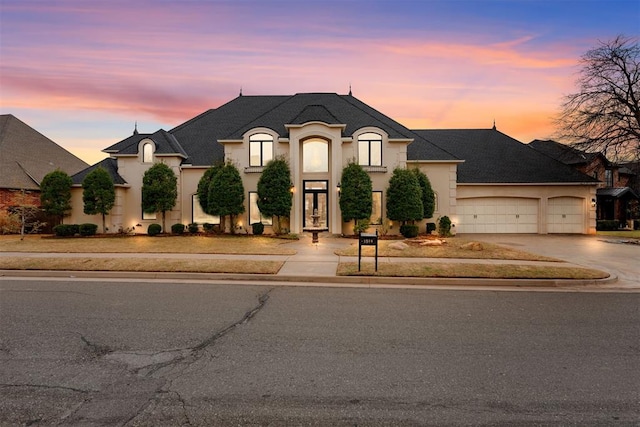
x=317 y=263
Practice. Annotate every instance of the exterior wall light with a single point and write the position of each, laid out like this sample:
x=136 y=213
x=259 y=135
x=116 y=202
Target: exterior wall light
x=593 y=203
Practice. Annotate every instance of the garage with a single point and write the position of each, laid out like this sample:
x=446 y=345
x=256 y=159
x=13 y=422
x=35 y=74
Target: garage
x=565 y=215
x=498 y=215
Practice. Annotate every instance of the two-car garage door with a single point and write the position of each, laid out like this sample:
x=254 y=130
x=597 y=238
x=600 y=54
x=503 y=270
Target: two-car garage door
x=520 y=215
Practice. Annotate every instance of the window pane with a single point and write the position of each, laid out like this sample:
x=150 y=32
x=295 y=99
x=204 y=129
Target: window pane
x=198 y=215
x=147 y=153
x=267 y=152
x=254 y=153
x=376 y=153
x=363 y=153
x=146 y=215
x=315 y=156
x=254 y=212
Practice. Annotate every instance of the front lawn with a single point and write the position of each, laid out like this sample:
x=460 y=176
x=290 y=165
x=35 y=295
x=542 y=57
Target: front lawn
x=453 y=248
x=217 y=244
x=627 y=234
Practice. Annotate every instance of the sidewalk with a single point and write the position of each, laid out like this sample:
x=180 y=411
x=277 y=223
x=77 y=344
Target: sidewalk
x=316 y=263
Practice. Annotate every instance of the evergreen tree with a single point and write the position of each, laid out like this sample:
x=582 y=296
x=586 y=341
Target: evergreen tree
x=356 y=193
x=274 y=190
x=99 y=194
x=226 y=194
x=203 y=187
x=159 y=190
x=55 y=193
x=428 y=196
x=404 y=197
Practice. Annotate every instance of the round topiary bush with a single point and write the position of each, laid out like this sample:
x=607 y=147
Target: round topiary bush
x=66 y=230
x=444 y=226
x=257 y=228
x=154 y=229
x=409 y=230
x=177 y=228
x=88 y=229
x=193 y=228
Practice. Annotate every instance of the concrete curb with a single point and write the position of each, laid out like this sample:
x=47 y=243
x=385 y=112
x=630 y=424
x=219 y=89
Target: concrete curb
x=312 y=280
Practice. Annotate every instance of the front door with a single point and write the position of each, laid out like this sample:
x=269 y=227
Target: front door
x=315 y=204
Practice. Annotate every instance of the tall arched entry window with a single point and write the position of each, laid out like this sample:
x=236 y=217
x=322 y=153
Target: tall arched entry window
x=315 y=155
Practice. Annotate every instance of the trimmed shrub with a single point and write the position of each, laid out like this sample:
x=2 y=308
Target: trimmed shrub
x=88 y=229
x=360 y=225
x=154 y=229
x=257 y=228
x=193 y=228
x=409 y=230
x=66 y=230
x=431 y=227
x=444 y=226
x=207 y=227
x=177 y=228
x=607 y=225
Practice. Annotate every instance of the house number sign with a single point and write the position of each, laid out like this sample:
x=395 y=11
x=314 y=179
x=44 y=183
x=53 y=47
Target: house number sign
x=367 y=239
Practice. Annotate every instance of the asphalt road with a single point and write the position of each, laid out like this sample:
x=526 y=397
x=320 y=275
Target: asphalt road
x=115 y=353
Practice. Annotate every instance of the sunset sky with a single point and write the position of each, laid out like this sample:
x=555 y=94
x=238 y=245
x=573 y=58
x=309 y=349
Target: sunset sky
x=83 y=72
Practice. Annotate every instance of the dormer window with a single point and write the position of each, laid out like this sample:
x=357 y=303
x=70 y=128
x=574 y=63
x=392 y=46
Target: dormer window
x=260 y=149
x=370 y=149
x=147 y=152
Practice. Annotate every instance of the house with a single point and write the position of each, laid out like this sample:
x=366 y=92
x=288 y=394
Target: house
x=615 y=198
x=26 y=156
x=319 y=134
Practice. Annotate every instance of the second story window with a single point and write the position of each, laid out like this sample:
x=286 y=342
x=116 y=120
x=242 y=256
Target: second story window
x=147 y=153
x=260 y=149
x=370 y=149
x=608 y=174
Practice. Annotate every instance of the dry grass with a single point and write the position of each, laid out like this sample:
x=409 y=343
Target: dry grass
x=142 y=264
x=248 y=245
x=625 y=234
x=494 y=271
x=451 y=249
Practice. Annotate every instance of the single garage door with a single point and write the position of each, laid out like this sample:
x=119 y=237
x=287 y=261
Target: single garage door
x=498 y=215
x=565 y=215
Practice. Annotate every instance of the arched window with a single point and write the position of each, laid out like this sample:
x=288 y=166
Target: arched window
x=370 y=149
x=147 y=152
x=260 y=149
x=315 y=155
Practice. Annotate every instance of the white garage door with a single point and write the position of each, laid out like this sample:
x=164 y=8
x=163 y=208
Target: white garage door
x=498 y=215
x=565 y=215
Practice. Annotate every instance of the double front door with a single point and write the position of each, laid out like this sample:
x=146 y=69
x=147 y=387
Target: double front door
x=315 y=204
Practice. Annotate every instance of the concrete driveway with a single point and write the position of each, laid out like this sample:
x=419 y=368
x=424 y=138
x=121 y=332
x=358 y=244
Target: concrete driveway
x=601 y=252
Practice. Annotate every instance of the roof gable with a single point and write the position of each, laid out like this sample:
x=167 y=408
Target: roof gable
x=26 y=155
x=109 y=164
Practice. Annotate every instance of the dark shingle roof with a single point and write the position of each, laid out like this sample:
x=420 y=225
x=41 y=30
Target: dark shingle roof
x=493 y=157
x=200 y=135
x=563 y=153
x=109 y=164
x=617 y=192
x=165 y=142
x=26 y=155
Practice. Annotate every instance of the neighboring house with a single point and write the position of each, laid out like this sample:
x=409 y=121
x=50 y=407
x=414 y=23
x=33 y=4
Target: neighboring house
x=319 y=134
x=26 y=156
x=615 y=197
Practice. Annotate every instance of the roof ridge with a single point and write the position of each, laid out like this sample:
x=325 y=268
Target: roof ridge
x=264 y=113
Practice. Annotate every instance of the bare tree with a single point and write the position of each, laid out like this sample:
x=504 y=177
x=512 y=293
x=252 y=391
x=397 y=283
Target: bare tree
x=604 y=114
x=25 y=214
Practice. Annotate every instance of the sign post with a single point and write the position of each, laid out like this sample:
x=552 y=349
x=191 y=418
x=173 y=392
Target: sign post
x=367 y=239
